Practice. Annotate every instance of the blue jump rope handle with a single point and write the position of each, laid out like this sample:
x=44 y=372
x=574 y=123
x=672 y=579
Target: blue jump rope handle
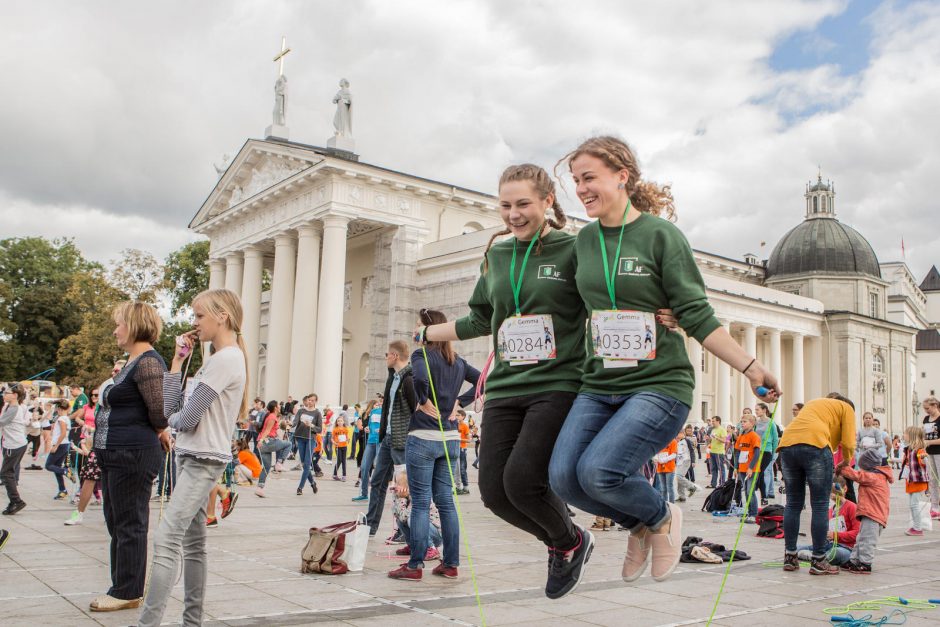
x=842 y=619
x=903 y=601
x=762 y=391
x=934 y=601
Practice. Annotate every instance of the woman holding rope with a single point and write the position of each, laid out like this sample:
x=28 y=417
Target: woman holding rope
x=636 y=389
x=529 y=393
x=432 y=448
x=204 y=426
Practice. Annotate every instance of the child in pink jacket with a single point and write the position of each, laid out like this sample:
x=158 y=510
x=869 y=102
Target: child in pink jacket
x=874 y=497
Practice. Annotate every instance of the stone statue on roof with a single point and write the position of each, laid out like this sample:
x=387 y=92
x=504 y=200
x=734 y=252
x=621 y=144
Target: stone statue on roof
x=342 y=119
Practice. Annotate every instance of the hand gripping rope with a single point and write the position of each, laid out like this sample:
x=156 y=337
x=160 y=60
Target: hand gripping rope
x=453 y=488
x=747 y=503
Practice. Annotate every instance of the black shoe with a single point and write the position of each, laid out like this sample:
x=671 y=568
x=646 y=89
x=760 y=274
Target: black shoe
x=857 y=568
x=12 y=508
x=4 y=536
x=821 y=566
x=314 y=487
x=300 y=491
x=565 y=568
x=791 y=562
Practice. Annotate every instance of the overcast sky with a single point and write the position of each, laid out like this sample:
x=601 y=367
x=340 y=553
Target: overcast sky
x=112 y=113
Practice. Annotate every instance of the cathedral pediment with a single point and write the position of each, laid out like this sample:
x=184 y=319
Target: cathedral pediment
x=259 y=166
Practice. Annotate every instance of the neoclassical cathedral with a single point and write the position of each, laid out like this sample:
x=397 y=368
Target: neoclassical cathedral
x=334 y=256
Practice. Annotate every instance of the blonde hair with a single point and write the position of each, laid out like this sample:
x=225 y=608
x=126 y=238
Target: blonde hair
x=142 y=321
x=646 y=196
x=915 y=438
x=543 y=185
x=219 y=302
x=932 y=400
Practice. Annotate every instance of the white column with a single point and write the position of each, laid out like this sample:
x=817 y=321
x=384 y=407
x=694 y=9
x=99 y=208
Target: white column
x=329 y=348
x=695 y=356
x=216 y=274
x=775 y=363
x=234 y=271
x=797 y=391
x=279 y=320
x=750 y=347
x=307 y=287
x=723 y=393
x=251 y=308
x=814 y=370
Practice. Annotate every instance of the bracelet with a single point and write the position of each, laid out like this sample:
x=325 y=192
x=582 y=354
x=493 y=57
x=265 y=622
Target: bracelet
x=749 y=365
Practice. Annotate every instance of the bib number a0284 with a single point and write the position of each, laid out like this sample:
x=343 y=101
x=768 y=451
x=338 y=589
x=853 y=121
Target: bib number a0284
x=526 y=339
x=622 y=335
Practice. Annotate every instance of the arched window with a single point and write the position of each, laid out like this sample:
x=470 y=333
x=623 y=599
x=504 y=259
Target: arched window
x=471 y=227
x=824 y=203
x=815 y=204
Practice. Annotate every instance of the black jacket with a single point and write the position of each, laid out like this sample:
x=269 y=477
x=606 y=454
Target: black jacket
x=406 y=394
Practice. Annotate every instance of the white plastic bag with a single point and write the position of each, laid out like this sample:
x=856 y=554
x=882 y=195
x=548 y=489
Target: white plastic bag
x=357 y=544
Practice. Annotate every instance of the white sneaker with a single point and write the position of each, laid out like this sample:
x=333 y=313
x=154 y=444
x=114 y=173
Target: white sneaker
x=75 y=519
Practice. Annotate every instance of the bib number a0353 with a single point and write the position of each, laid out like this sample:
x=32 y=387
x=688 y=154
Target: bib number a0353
x=526 y=339
x=622 y=335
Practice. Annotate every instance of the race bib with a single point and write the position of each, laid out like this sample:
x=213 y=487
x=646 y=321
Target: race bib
x=868 y=442
x=341 y=439
x=837 y=524
x=662 y=458
x=622 y=335
x=526 y=339
x=742 y=457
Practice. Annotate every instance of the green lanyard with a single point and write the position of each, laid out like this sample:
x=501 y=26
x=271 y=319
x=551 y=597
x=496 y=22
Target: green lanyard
x=517 y=287
x=610 y=273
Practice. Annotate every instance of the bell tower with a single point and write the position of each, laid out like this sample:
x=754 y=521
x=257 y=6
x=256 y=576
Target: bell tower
x=820 y=198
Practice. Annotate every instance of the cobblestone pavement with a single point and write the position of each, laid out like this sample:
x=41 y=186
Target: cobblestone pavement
x=49 y=572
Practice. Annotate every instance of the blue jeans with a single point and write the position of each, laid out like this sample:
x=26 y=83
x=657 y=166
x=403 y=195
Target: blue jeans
x=597 y=463
x=665 y=483
x=305 y=448
x=842 y=555
x=805 y=464
x=281 y=448
x=464 y=480
x=385 y=459
x=717 y=464
x=434 y=539
x=55 y=463
x=429 y=476
x=365 y=471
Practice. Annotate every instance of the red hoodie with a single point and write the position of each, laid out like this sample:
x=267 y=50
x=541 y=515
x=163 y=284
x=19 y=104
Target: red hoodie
x=852 y=525
x=874 y=495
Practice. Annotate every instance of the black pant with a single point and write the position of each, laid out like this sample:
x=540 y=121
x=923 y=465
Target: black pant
x=9 y=471
x=127 y=479
x=36 y=442
x=517 y=445
x=762 y=484
x=340 y=460
x=382 y=471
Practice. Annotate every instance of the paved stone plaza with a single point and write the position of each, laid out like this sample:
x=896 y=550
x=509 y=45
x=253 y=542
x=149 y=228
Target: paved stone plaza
x=49 y=572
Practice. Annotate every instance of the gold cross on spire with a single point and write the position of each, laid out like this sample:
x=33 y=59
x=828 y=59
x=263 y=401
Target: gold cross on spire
x=281 y=55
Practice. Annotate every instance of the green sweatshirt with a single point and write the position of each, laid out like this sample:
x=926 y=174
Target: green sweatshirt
x=548 y=287
x=655 y=270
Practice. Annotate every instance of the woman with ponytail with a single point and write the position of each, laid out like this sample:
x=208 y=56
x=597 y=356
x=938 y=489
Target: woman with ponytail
x=637 y=382
x=204 y=426
x=527 y=282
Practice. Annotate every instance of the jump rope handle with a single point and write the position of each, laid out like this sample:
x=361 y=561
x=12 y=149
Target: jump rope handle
x=842 y=619
x=762 y=391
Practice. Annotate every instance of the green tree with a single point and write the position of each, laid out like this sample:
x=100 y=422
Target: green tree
x=86 y=356
x=186 y=272
x=138 y=274
x=35 y=275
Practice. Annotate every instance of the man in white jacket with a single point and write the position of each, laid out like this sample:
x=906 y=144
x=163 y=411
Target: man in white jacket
x=14 y=417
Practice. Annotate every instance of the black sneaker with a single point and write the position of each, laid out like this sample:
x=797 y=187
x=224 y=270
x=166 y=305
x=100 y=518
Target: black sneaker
x=857 y=568
x=4 y=536
x=791 y=562
x=12 y=508
x=821 y=566
x=565 y=568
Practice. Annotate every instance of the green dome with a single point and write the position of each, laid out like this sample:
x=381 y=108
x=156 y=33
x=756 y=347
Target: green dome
x=823 y=246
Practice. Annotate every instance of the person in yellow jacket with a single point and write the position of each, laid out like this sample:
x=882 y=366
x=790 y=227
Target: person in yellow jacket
x=806 y=450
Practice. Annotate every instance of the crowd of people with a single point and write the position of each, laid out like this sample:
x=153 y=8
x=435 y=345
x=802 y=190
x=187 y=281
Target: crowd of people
x=594 y=420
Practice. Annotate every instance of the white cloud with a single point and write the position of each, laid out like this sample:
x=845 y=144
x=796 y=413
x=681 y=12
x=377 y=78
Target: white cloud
x=124 y=109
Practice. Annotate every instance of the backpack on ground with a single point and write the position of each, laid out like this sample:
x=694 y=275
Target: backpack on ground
x=720 y=498
x=770 y=521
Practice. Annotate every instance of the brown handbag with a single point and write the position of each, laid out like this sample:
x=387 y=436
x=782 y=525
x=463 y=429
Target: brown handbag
x=325 y=548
